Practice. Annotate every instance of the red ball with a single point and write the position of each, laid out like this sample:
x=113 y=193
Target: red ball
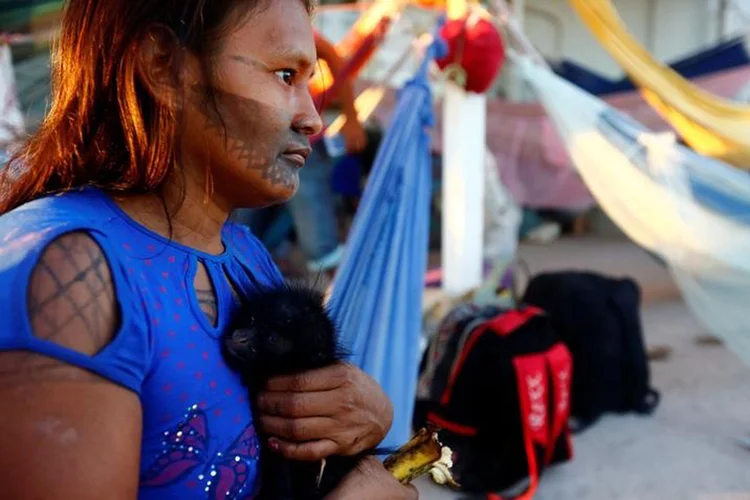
x=477 y=47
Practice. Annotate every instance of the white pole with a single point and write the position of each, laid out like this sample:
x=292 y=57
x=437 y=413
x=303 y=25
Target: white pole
x=464 y=117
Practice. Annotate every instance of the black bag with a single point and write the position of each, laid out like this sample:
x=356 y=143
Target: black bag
x=598 y=319
x=497 y=383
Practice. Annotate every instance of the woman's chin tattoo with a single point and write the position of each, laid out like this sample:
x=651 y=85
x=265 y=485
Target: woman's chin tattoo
x=238 y=118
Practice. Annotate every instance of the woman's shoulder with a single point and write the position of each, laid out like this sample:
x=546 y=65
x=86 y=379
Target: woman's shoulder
x=27 y=230
x=81 y=208
x=60 y=272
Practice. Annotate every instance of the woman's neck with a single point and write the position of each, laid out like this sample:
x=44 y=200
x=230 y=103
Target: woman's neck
x=196 y=217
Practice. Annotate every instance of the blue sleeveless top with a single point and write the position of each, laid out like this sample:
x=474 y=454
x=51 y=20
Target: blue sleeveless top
x=198 y=435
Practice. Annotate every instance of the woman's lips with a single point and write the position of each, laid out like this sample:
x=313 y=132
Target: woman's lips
x=295 y=158
x=297 y=155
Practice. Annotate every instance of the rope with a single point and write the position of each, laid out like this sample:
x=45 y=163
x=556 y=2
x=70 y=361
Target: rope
x=505 y=18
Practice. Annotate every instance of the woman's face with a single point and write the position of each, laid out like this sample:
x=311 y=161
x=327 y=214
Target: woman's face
x=254 y=135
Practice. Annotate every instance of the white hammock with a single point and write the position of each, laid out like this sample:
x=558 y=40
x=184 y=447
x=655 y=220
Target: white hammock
x=694 y=212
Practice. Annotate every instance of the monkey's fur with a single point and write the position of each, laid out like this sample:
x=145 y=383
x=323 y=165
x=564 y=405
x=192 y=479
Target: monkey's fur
x=281 y=331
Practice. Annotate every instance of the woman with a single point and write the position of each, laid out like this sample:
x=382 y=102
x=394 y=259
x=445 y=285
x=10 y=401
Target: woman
x=120 y=272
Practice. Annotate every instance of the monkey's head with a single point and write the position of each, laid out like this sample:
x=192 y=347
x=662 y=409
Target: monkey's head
x=281 y=331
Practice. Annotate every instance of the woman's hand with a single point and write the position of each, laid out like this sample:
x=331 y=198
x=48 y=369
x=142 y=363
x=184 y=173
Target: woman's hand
x=371 y=481
x=338 y=410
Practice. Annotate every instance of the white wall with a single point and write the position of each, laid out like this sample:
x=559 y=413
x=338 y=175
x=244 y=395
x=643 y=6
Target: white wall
x=668 y=28
x=737 y=16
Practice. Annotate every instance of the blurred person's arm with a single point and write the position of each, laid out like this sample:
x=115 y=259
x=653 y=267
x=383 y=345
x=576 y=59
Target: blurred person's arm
x=352 y=131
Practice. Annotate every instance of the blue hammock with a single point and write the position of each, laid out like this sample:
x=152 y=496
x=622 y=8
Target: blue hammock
x=714 y=185
x=377 y=295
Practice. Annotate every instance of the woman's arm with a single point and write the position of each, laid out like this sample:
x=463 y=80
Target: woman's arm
x=65 y=432
x=371 y=481
x=328 y=53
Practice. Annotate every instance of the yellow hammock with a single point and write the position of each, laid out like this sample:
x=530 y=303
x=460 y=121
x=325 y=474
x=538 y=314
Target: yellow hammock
x=710 y=125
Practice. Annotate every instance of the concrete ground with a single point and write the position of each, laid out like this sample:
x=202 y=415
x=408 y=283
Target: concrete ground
x=689 y=448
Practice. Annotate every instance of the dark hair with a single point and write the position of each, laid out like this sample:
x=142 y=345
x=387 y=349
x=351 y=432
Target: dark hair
x=103 y=128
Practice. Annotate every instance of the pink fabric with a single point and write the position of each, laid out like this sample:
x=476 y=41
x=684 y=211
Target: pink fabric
x=554 y=148
x=531 y=156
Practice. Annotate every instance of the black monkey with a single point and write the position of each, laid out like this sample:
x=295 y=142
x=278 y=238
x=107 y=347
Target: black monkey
x=285 y=330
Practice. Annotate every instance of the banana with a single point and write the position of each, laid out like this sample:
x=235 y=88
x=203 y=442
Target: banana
x=423 y=454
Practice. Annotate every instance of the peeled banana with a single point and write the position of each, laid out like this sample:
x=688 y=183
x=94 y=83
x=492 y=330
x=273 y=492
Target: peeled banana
x=423 y=454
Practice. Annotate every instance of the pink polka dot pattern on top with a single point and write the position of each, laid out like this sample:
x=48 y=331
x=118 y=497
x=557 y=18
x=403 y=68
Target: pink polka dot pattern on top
x=198 y=438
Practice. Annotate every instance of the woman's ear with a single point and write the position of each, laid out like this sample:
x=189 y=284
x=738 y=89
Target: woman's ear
x=159 y=60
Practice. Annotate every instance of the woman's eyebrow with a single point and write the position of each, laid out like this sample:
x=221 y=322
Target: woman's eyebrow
x=301 y=60
x=246 y=60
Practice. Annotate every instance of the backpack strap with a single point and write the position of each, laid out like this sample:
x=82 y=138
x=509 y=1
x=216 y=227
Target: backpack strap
x=445 y=345
x=472 y=332
x=503 y=324
x=458 y=365
x=454 y=427
x=531 y=376
x=560 y=364
x=508 y=322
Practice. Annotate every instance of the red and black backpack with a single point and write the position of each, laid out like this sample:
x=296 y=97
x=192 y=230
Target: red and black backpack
x=498 y=384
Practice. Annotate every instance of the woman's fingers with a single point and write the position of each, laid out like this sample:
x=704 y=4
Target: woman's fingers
x=323 y=379
x=298 y=404
x=299 y=429
x=360 y=409
x=309 y=451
